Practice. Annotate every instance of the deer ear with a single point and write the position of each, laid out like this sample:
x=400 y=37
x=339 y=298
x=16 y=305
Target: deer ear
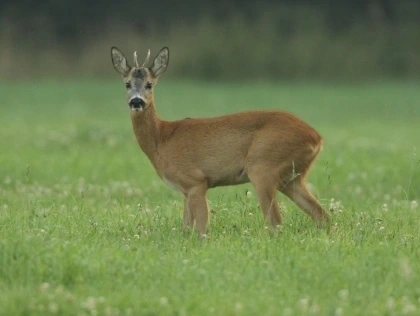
x=119 y=61
x=160 y=63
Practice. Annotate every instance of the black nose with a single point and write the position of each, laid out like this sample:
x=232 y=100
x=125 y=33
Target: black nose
x=137 y=103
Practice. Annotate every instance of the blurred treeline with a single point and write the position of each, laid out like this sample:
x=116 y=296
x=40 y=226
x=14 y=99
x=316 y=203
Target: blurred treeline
x=226 y=39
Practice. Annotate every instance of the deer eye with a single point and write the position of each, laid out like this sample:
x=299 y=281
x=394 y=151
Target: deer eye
x=128 y=85
x=148 y=85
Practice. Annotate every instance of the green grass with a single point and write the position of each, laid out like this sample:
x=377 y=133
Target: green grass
x=87 y=228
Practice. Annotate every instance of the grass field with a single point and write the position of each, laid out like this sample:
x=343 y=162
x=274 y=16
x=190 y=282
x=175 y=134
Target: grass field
x=87 y=228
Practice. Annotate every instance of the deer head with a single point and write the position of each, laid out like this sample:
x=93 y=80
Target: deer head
x=139 y=81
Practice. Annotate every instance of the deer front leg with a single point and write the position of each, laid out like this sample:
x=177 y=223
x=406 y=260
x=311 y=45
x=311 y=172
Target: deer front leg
x=197 y=206
x=188 y=215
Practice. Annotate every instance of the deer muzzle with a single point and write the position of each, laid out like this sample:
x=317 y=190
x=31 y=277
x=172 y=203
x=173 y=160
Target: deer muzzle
x=137 y=104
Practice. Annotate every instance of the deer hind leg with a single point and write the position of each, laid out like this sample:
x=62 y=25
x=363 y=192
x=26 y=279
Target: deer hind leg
x=198 y=209
x=266 y=191
x=297 y=191
x=294 y=186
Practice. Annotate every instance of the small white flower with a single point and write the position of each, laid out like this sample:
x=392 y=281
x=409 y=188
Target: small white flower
x=238 y=307
x=304 y=303
x=351 y=176
x=358 y=190
x=44 y=287
x=409 y=309
x=53 y=308
x=335 y=205
x=405 y=268
x=390 y=303
x=90 y=303
x=314 y=309
x=343 y=294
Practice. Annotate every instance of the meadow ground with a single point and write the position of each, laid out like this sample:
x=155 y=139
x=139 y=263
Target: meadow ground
x=87 y=228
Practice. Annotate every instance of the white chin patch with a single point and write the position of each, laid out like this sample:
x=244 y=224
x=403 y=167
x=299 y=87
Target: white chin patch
x=137 y=109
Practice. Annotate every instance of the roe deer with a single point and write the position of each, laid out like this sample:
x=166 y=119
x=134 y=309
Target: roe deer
x=271 y=149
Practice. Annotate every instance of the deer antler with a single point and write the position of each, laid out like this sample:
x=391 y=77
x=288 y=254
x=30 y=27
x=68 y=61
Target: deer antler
x=146 y=61
x=136 y=63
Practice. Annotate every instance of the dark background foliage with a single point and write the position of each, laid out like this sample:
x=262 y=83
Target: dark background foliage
x=312 y=39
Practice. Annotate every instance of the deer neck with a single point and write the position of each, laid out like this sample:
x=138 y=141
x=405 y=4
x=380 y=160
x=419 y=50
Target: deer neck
x=147 y=129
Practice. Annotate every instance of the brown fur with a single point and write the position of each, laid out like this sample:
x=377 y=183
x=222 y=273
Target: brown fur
x=271 y=149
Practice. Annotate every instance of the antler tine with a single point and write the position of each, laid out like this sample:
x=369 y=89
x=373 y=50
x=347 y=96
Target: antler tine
x=146 y=61
x=136 y=63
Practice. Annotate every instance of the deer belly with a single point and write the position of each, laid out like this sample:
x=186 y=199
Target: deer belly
x=238 y=177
